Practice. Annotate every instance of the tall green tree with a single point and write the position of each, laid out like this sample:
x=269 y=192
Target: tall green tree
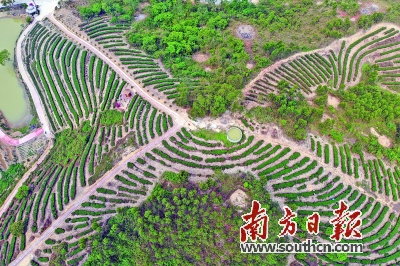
x=4 y=57
x=17 y=228
x=23 y=192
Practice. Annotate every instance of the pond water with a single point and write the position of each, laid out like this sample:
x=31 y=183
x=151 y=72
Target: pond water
x=234 y=134
x=13 y=103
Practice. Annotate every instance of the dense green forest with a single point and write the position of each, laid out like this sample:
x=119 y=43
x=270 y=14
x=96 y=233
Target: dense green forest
x=183 y=223
x=120 y=11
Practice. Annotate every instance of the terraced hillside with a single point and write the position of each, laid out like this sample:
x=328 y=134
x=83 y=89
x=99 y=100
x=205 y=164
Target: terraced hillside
x=128 y=144
x=337 y=65
x=128 y=188
x=142 y=67
x=314 y=180
x=97 y=118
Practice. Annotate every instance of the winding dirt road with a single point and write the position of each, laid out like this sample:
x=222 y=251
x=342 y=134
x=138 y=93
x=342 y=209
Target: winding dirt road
x=32 y=89
x=16 y=142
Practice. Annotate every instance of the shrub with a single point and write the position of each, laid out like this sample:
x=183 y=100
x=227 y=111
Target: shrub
x=141 y=161
x=111 y=118
x=76 y=260
x=158 y=125
x=132 y=191
x=92 y=213
x=80 y=219
x=358 y=203
x=23 y=192
x=348 y=156
x=186 y=133
x=331 y=193
x=82 y=225
x=59 y=231
x=176 y=178
x=53 y=205
x=355 y=162
x=319 y=149
x=50 y=241
x=298 y=173
x=134 y=177
x=273 y=159
x=92 y=156
x=174 y=150
x=263 y=149
x=22 y=242
x=326 y=153
x=73 y=185
x=150 y=175
x=170 y=122
x=106 y=191
x=67 y=182
x=93 y=205
x=335 y=156
x=125 y=181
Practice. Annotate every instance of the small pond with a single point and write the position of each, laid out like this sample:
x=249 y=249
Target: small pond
x=13 y=101
x=234 y=134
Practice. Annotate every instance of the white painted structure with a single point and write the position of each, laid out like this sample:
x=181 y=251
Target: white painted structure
x=31 y=9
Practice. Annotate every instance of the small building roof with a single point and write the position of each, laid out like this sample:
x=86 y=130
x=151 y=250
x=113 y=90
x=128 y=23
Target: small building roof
x=31 y=8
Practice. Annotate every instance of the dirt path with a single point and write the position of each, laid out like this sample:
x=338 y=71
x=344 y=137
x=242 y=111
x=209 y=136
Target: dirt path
x=16 y=142
x=76 y=204
x=32 y=89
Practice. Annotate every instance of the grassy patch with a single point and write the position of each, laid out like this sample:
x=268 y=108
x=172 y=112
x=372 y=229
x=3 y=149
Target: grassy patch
x=111 y=117
x=69 y=144
x=208 y=134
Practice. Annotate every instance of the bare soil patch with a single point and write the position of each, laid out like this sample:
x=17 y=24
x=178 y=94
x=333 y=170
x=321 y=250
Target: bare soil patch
x=334 y=101
x=140 y=17
x=200 y=57
x=382 y=139
x=396 y=207
x=143 y=5
x=310 y=187
x=245 y=32
x=250 y=65
x=324 y=117
x=239 y=198
x=369 y=8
